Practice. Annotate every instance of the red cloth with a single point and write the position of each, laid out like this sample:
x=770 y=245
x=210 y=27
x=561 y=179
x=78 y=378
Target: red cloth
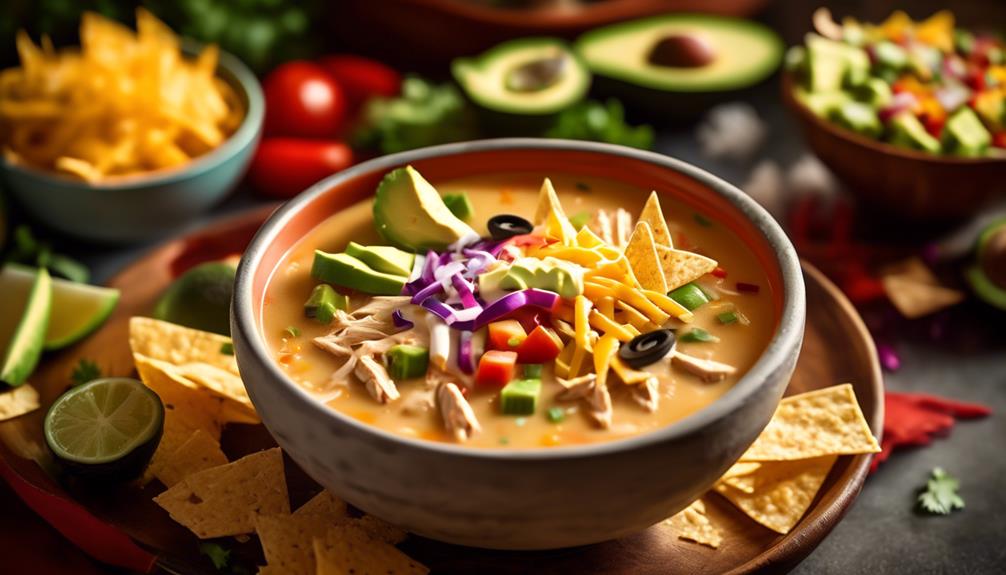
x=913 y=419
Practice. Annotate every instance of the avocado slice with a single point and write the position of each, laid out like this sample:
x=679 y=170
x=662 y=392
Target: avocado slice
x=908 y=132
x=832 y=65
x=387 y=259
x=347 y=271
x=965 y=135
x=527 y=76
x=742 y=52
x=987 y=275
x=409 y=213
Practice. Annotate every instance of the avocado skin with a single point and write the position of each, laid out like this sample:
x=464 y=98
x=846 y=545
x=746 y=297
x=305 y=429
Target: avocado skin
x=988 y=287
x=411 y=215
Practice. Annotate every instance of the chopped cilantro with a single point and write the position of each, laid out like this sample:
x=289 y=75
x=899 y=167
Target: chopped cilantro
x=703 y=221
x=217 y=554
x=227 y=348
x=292 y=331
x=580 y=220
x=85 y=371
x=940 y=497
x=697 y=335
x=555 y=414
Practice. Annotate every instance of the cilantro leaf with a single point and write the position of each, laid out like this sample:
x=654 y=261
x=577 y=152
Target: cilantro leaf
x=219 y=555
x=85 y=371
x=940 y=497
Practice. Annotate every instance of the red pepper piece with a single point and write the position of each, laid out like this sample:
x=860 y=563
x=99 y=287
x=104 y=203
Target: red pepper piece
x=496 y=368
x=914 y=419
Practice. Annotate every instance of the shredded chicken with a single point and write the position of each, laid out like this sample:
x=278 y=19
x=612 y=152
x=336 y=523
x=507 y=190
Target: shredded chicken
x=647 y=393
x=418 y=402
x=576 y=388
x=623 y=227
x=707 y=369
x=458 y=416
x=600 y=406
x=601 y=225
x=379 y=384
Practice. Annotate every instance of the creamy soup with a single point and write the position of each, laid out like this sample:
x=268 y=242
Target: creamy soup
x=714 y=344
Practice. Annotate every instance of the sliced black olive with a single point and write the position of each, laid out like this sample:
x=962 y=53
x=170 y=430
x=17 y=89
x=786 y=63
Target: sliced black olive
x=537 y=75
x=506 y=226
x=647 y=348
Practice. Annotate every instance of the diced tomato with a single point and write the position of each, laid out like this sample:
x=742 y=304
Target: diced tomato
x=496 y=368
x=934 y=125
x=719 y=272
x=506 y=335
x=999 y=140
x=528 y=241
x=542 y=345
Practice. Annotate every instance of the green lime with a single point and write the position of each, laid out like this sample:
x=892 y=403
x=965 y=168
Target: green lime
x=107 y=428
x=76 y=310
x=200 y=298
x=24 y=315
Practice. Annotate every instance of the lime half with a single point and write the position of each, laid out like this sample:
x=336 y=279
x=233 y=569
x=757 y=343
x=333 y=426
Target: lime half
x=106 y=428
x=77 y=309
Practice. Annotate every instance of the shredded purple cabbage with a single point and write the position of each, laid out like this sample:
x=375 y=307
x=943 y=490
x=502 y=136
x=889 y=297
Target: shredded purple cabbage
x=465 y=363
x=399 y=320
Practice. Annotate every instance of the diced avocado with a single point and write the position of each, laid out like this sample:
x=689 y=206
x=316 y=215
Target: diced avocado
x=347 y=271
x=858 y=117
x=409 y=213
x=925 y=61
x=875 y=92
x=387 y=259
x=832 y=65
x=323 y=302
x=689 y=295
x=890 y=56
x=964 y=41
x=907 y=131
x=965 y=135
x=562 y=277
x=533 y=370
x=460 y=205
x=823 y=104
x=527 y=76
x=408 y=361
x=520 y=397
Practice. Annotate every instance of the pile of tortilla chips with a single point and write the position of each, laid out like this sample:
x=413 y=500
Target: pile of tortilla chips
x=197 y=379
x=778 y=477
x=18 y=401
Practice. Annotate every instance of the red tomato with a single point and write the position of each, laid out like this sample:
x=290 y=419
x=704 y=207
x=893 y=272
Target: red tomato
x=504 y=333
x=362 y=78
x=284 y=167
x=303 y=100
x=542 y=345
x=999 y=140
x=496 y=368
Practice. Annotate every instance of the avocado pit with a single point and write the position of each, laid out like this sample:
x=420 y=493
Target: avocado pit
x=537 y=75
x=682 y=51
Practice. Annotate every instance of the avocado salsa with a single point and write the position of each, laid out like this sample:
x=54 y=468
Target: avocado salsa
x=502 y=324
x=926 y=86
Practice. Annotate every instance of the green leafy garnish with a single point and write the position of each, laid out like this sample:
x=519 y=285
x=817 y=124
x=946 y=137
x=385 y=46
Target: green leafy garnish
x=85 y=371
x=28 y=250
x=940 y=497
x=227 y=348
x=292 y=331
x=698 y=335
x=579 y=220
x=555 y=414
x=218 y=555
x=600 y=122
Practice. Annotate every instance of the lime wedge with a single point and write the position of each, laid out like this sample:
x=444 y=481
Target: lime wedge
x=24 y=315
x=107 y=427
x=77 y=309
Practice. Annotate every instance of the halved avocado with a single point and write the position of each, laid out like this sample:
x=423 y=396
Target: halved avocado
x=527 y=76
x=987 y=275
x=698 y=58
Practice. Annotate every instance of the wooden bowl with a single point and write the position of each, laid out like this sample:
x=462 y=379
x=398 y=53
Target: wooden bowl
x=910 y=184
x=451 y=28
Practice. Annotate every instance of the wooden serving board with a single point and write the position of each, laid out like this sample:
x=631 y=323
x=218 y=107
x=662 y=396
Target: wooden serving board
x=837 y=348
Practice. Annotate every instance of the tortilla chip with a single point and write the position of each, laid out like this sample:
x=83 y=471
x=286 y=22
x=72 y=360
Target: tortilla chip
x=225 y=384
x=18 y=401
x=346 y=549
x=175 y=433
x=738 y=475
x=179 y=345
x=226 y=500
x=821 y=422
x=324 y=504
x=692 y=524
x=681 y=267
x=782 y=491
x=198 y=452
x=550 y=213
x=642 y=255
x=287 y=540
x=654 y=215
x=380 y=529
x=194 y=407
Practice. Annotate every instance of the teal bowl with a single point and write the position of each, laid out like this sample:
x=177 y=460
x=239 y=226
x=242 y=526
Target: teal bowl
x=145 y=207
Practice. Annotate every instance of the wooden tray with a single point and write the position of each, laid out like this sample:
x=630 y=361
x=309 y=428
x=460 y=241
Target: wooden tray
x=837 y=348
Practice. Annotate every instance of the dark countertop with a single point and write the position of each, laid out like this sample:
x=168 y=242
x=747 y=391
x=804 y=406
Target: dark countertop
x=881 y=533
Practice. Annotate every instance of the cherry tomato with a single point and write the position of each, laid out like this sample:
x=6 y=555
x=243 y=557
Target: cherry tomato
x=304 y=101
x=284 y=167
x=362 y=78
